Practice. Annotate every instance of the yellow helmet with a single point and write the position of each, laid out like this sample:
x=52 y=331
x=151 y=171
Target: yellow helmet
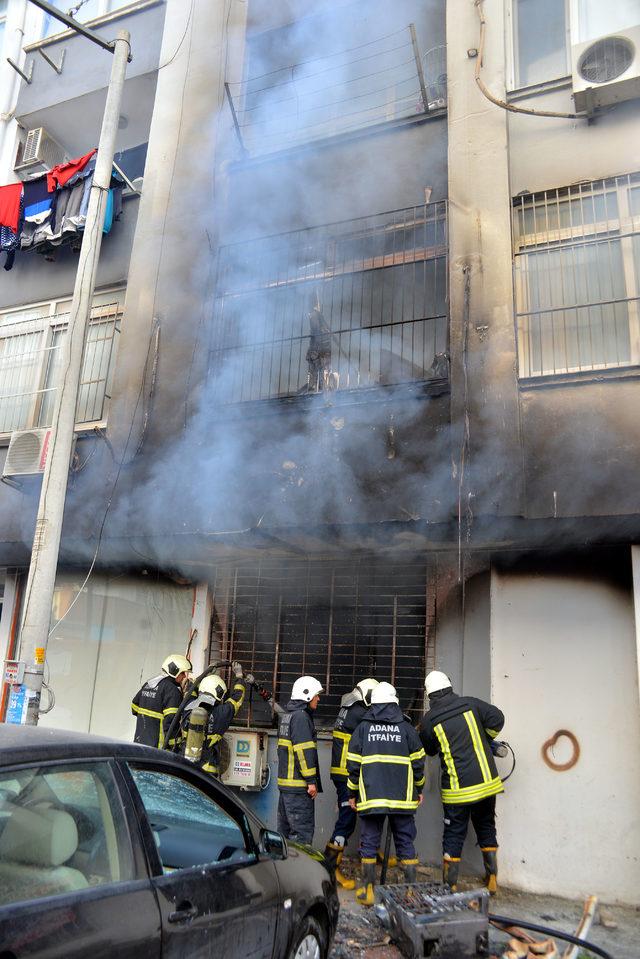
x=213 y=686
x=176 y=663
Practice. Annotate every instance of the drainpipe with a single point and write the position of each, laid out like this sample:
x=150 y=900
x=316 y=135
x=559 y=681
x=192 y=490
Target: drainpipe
x=9 y=84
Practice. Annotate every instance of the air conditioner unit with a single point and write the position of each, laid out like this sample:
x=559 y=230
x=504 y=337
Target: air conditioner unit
x=39 y=153
x=243 y=758
x=606 y=70
x=27 y=453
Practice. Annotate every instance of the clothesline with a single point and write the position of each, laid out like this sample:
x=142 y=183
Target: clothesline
x=50 y=209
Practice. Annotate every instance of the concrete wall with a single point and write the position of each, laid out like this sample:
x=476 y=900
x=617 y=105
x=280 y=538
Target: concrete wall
x=563 y=654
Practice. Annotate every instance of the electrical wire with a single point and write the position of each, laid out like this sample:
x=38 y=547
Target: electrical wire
x=502 y=103
x=499 y=921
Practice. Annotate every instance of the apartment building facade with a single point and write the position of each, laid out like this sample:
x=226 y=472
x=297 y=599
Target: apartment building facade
x=359 y=384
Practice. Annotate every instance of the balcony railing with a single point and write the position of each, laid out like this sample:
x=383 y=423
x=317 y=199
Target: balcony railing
x=362 y=303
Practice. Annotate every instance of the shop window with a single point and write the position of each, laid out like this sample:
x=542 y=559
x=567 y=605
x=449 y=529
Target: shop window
x=577 y=277
x=30 y=341
x=3 y=20
x=86 y=10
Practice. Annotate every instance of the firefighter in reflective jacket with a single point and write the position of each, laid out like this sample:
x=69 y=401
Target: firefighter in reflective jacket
x=386 y=778
x=157 y=702
x=207 y=717
x=460 y=730
x=353 y=708
x=298 y=770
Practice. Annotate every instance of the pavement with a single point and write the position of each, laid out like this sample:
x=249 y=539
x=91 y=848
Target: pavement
x=360 y=935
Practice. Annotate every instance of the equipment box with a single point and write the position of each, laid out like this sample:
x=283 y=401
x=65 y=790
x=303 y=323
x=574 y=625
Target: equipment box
x=242 y=757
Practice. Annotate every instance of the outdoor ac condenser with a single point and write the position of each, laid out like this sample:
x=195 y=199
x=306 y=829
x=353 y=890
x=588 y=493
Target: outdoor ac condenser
x=38 y=153
x=606 y=70
x=27 y=453
x=242 y=758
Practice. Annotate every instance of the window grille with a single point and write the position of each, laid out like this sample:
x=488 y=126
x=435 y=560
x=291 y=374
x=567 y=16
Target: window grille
x=577 y=277
x=337 y=621
x=30 y=341
x=355 y=304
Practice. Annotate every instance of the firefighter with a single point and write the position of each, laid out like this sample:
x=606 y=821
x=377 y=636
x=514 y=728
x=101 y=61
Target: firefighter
x=298 y=771
x=386 y=778
x=207 y=718
x=156 y=703
x=353 y=709
x=460 y=730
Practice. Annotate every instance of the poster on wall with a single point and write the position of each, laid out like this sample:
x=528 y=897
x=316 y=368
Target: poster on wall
x=17 y=706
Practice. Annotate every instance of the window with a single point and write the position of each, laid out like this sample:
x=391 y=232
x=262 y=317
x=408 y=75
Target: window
x=350 y=305
x=62 y=829
x=577 y=277
x=189 y=828
x=30 y=340
x=88 y=10
x=543 y=31
x=540 y=40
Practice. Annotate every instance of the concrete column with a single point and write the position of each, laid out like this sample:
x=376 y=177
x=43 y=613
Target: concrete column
x=484 y=386
x=201 y=620
x=173 y=261
x=635 y=563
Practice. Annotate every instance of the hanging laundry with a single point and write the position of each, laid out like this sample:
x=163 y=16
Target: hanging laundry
x=60 y=175
x=10 y=205
x=37 y=199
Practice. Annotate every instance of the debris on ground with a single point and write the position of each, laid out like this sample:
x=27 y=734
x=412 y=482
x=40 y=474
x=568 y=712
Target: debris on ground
x=361 y=935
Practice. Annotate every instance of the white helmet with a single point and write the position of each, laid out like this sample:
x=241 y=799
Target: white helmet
x=306 y=688
x=384 y=693
x=176 y=663
x=364 y=689
x=214 y=686
x=436 y=681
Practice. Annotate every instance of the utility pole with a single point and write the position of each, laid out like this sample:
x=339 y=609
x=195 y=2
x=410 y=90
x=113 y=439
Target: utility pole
x=46 y=542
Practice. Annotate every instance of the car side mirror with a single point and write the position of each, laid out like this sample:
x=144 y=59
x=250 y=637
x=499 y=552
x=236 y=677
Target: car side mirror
x=272 y=844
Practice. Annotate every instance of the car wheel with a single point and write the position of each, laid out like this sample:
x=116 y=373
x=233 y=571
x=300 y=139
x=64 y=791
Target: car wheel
x=310 y=941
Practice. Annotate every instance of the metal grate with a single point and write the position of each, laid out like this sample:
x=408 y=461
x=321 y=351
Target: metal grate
x=338 y=621
x=30 y=344
x=424 y=899
x=577 y=277
x=606 y=60
x=349 y=305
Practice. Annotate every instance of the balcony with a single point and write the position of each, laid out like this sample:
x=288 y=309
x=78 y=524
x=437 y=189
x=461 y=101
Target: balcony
x=343 y=307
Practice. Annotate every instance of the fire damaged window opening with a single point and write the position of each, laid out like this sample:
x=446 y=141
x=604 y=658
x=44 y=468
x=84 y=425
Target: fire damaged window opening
x=337 y=621
x=577 y=277
x=357 y=304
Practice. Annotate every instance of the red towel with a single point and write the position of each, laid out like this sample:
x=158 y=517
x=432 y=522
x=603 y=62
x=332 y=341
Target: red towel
x=10 y=205
x=62 y=173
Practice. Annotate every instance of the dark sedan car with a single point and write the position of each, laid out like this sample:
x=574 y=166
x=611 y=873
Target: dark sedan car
x=113 y=849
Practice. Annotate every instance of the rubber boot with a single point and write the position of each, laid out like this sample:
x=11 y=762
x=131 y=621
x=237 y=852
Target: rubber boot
x=393 y=860
x=364 y=894
x=450 y=869
x=409 y=868
x=333 y=853
x=490 y=857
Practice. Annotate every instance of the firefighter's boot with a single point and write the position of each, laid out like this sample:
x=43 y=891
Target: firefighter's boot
x=450 y=870
x=393 y=860
x=333 y=853
x=409 y=868
x=364 y=893
x=490 y=857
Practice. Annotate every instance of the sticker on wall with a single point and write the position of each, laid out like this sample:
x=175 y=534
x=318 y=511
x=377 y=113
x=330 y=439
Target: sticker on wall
x=17 y=706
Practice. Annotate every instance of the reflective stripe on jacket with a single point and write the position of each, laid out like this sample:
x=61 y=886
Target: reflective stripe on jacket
x=385 y=763
x=297 y=751
x=348 y=719
x=155 y=705
x=221 y=715
x=459 y=729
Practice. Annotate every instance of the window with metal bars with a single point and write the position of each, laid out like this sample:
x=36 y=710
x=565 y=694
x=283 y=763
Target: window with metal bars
x=355 y=304
x=30 y=341
x=337 y=621
x=577 y=277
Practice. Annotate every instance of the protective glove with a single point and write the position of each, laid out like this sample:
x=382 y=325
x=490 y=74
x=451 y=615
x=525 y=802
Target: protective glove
x=237 y=669
x=250 y=679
